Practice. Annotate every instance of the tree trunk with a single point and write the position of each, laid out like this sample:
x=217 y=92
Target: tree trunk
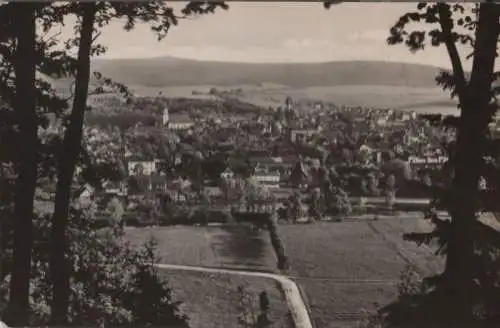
x=468 y=160
x=60 y=267
x=25 y=108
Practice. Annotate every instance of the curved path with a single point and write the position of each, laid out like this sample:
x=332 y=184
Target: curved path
x=296 y=305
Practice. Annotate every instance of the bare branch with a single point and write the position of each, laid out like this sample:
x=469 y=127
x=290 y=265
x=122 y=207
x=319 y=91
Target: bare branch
x=96 y=37
x=52 y=37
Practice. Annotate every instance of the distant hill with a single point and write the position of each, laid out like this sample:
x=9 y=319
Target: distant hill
x=168 y=71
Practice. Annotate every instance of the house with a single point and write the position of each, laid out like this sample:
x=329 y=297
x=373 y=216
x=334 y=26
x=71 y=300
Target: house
x=297 y=134
x=181 y=183
x=159 y=183
x=382 y=121
x=228 y=174
x=214 y=194
x=267 y=179
x=138 y=184
x=116 y=188
x=299 y=175
x=276 y=127
x=176 y=195
x=406 y=117
x=136 y=167
x=87 y=192
x=180 y=122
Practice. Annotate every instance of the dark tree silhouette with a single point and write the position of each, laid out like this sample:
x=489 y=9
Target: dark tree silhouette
x=477 y=27
x=25 y=108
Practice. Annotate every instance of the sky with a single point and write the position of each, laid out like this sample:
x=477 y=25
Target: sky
x=276 y=32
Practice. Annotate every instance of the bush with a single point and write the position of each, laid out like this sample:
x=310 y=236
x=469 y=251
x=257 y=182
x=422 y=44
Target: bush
x=251 y=315
x=278 y=247
x=390 y=199
x=341 y=204
x=112 y=283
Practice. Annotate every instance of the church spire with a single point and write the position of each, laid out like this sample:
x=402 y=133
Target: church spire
x=166 y=117
x=288 y=103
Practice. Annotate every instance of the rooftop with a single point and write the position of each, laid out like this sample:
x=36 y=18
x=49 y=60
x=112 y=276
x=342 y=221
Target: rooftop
x=180 y=118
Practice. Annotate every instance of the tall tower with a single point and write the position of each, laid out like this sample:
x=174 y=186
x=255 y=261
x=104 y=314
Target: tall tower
x=289 y=110
x=166 y=118
x=289 y=103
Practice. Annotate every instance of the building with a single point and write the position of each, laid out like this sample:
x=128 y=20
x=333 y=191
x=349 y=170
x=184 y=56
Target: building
x=138 y=167
x=406 y=116
x=105 y=99
x=382 y=121
x=298 y=134
x=288 y=103
x=228 y=174
x=267 y=179
x=299 y=177
x=159 y=183
x=214 y=194
x=166 y=117
x=180 y=122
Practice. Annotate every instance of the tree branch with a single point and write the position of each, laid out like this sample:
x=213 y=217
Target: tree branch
x=96 y=36
x=446 y=24
x=71 y=92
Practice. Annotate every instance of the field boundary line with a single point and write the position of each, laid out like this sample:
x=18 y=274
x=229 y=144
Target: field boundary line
x=293 y=297
x=399 y=249
x=349 y=280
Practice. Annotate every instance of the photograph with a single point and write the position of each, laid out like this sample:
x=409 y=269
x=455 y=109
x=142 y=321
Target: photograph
x=249 y=164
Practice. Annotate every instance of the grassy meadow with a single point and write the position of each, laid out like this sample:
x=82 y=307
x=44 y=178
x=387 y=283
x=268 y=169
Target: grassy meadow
x=211 y=300
x=230 y=247
x=348 y=270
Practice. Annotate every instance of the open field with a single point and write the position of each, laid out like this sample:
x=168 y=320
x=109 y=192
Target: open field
x=346 y=270
x=229 y=247
x=211 y=300
x=350 y=269
x=429 y=100
x=376 y=84
x=423 y=100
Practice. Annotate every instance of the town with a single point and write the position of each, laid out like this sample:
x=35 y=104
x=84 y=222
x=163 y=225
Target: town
x=263 y=159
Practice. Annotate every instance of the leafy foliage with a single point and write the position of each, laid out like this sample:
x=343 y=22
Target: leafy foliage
x=93 y=287
x=112 y=281
x=253 y=315
x=341 y=204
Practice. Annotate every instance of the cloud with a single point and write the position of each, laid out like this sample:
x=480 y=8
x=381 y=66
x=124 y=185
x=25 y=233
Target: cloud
x=375 y=36
x=275 y=32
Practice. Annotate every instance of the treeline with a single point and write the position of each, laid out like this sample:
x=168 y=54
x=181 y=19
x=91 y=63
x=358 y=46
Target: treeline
x=122 y=120
x=149 y=109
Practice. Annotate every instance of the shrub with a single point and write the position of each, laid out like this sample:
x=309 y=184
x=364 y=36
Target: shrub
x=111 y=283
x=418 y=304
x=341 y=204
x=362 y=204
x=390 y=199
x=278 y=247
x=253 y=315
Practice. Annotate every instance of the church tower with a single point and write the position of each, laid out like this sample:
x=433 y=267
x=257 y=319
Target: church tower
x=166 y=118
x=289 y=103
x=289 y=110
